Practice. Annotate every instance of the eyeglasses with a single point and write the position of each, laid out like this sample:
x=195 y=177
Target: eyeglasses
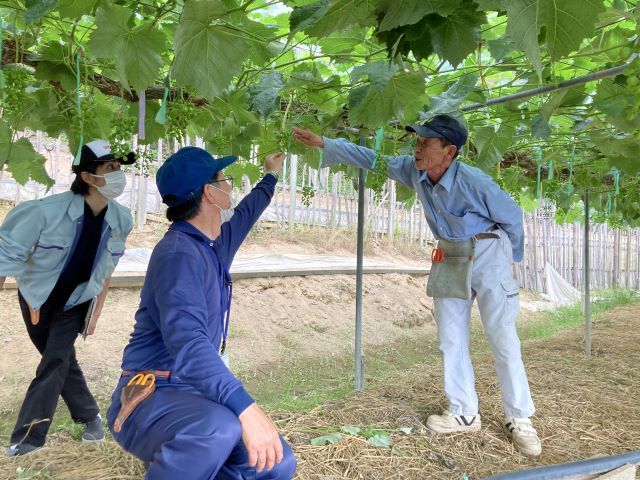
x=227 y=179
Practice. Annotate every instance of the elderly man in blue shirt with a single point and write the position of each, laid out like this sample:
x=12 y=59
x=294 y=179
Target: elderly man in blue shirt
x=177 y=406
x=480 y=233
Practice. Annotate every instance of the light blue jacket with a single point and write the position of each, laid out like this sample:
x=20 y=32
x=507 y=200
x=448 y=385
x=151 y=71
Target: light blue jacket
x=466 y=201
x=37 y=240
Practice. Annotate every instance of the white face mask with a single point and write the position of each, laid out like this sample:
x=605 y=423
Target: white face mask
x=226 y=213
x=116 y=181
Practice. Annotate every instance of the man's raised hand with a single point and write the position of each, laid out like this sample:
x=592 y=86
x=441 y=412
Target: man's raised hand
x=273 y=162
x=307 y=137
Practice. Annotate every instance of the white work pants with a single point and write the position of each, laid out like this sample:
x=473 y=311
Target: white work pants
x=493 y=285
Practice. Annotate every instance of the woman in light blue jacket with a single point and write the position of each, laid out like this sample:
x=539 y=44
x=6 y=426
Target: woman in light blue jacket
x=62 y=251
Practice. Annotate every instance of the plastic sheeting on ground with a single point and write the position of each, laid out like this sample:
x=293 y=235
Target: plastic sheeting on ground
x=558 y=290
x=136 y=260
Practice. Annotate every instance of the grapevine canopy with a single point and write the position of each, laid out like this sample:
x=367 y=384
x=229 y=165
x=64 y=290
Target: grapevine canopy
x=242 y=72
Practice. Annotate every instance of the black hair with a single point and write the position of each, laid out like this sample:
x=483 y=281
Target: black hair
x=79 y=186
x=186 y=210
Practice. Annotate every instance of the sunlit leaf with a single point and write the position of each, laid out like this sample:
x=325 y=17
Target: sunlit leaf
x=207 y=54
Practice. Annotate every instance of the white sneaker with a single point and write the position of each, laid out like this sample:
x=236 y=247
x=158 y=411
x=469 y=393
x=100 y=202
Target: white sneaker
x=524 y=436
x=450 y=423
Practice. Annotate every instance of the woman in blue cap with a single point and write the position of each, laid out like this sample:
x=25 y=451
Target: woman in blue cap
x=177 y=405
x=480 y=233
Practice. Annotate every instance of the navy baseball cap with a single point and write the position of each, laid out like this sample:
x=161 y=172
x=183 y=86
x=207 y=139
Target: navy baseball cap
x=187 y=171
x=442 y=126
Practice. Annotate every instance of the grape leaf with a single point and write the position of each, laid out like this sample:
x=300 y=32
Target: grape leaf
x=307 y=15
x=36 y=9
x=566 y=24
x=343 y=42
x=136 y=50
x=405 y=194
x=327 y=16
x=21 y=159
x=74 y=8
x=491 y=144
x=457 y=35
x=326 y=439
x=399 y=99
x=350 y=430
x=497 y=5
x=540 y=127
x=207 y=54
x=378 y=73
x=381 y=440
x=263 y=95
x=451 y=100
x=241 y=168
x=407 y=12
x=501 y=47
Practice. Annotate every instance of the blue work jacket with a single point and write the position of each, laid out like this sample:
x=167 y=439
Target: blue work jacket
x=181 y=320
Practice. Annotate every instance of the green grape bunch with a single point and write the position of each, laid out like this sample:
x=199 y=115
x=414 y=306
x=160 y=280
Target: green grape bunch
x=378 y=177
x=179 y=115
x=633 y=88
x=222 y=143
x=78 y=125
x=283 y=138
x=145 y=161
x=307 y=195
x=88 y=111
x=16 y=81
x=122 y=130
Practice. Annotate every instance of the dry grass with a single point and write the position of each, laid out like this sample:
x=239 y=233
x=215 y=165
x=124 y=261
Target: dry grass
x=586 y=407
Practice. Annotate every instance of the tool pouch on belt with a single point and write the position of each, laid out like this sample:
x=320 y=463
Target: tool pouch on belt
x=139 y=388
x=451 y=278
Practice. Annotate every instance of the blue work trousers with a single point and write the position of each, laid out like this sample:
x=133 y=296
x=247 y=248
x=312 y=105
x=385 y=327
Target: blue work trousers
x=178 y=433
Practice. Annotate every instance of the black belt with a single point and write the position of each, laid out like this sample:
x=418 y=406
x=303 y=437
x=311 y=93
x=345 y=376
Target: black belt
x=485 y=235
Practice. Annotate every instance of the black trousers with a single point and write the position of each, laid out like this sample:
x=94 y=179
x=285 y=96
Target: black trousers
x=57 y=374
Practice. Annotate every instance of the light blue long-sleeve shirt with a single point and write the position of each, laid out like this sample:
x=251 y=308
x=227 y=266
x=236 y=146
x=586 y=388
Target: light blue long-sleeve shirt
x=38 y=238
x=466 y=201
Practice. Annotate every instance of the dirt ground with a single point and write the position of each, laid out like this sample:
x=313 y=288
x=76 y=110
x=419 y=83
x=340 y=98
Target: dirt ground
x=586 y=407
x=271 y=318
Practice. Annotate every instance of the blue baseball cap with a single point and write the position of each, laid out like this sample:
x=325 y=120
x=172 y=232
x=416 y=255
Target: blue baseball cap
x=442 y=126
x=187 y=171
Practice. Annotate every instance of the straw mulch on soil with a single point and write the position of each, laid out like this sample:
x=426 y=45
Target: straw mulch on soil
x=586 y=407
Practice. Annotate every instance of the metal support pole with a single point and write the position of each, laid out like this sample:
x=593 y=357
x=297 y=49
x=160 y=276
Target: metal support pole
x=359 y=359
x=587 y=292
x=292 y=160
